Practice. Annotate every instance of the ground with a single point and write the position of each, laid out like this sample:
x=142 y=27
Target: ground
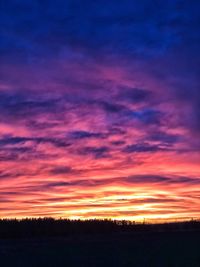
x=161 y=249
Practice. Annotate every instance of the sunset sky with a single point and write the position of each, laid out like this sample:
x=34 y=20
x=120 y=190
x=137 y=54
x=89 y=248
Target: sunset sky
x=100 y=109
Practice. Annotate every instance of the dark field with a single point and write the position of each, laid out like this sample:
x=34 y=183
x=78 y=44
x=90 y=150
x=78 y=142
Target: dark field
x=158 y=247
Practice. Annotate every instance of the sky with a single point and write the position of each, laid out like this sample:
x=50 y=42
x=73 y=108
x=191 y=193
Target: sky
x=100 y=109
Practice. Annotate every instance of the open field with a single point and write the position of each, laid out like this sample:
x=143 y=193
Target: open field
x=177 y=249
x=139 y=248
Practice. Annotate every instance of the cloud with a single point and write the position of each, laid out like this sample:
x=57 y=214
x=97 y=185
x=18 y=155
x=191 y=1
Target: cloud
x=112 y=107
x=151 y=179
x=55 y=184
x=7 y=175
x=96 y=152
x=165 y=138
x=59 y=170
x=140 y=148
x=118 y=143
x=148 y=116
x=85 y=134
x=59 y=142
x=134 y=95
x=16 y=105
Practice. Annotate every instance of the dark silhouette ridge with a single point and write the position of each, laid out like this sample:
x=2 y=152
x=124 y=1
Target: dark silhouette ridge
x=49 y=227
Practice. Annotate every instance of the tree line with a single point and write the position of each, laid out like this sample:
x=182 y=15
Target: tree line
x=49 y=227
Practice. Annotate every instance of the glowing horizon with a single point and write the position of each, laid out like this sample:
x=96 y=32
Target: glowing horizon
x=99 y=111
